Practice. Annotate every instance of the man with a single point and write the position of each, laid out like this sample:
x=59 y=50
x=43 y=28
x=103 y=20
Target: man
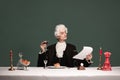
x=61 y=52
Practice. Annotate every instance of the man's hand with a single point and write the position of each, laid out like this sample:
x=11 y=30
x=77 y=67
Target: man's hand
x=89 y=56
x=43 y=46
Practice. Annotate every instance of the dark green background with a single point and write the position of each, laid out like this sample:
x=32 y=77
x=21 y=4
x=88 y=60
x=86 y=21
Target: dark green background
x=25 y=23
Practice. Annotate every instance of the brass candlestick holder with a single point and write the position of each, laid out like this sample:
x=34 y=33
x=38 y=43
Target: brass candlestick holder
x=100 y=66
x=100 y=60
x=11 y=61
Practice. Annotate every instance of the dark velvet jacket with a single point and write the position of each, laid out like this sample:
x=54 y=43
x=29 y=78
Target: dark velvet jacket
x=67 y=59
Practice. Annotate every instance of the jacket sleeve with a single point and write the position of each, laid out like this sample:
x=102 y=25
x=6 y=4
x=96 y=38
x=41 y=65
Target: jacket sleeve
x=40 y=62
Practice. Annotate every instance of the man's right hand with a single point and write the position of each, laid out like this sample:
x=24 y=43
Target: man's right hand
x=43 y=46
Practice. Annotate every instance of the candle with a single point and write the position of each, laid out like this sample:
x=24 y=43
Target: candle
x=11 y=53
x=100 y=52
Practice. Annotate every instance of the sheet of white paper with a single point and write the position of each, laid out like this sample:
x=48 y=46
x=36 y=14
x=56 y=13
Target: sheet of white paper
x=82 y=54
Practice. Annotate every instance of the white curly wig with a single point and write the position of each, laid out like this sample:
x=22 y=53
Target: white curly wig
x=59 y=28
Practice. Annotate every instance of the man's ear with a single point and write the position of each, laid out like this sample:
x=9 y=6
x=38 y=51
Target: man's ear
x=57 y=37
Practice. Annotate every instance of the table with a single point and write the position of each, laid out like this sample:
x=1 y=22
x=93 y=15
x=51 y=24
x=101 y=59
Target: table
x=39 y=73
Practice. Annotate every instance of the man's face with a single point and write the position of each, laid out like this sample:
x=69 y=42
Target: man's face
x=62 y=36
